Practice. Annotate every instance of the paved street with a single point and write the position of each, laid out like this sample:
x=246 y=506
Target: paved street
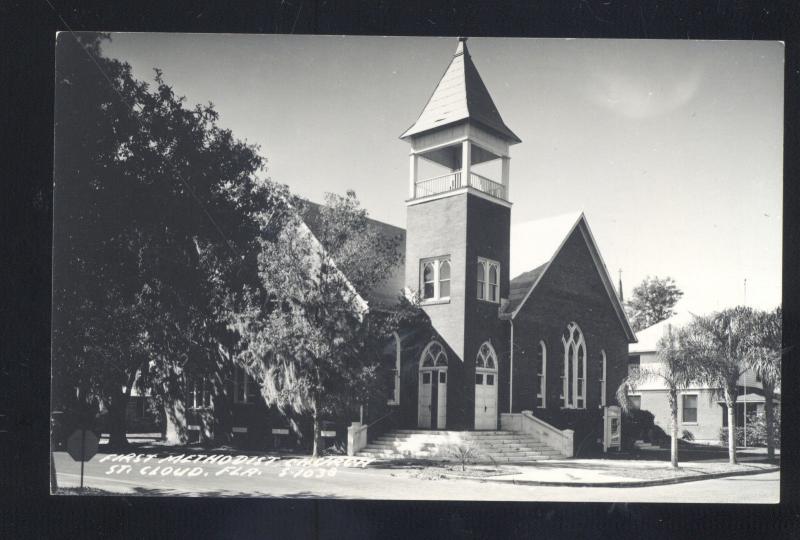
x=282 y=479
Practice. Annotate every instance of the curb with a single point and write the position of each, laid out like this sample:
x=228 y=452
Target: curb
x=643 y=483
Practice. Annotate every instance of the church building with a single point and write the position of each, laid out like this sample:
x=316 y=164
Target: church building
x=528 y=332
x=552 y=340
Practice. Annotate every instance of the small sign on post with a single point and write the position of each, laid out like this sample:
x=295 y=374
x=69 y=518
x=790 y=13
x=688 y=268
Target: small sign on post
x=82 y=446
x=612 y=428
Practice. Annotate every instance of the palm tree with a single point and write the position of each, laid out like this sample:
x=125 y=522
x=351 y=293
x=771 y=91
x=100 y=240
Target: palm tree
x=720 y=344
x=765 y=360
x=674 y=370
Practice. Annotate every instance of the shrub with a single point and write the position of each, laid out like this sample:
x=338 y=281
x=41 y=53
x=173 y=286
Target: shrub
x=756 y=431
x=463 y=453
x=687 y=435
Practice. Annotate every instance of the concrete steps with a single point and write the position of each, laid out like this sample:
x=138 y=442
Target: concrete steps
x=489 y=446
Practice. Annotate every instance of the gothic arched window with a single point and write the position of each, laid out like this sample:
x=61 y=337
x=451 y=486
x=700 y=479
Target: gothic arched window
x=433 y=356
x=486 y=365
x=574 y=373
x=602 y=378
x=481 y=280
x=488 y=280
x=428 y=282
x=444 y=279
x=541 y=375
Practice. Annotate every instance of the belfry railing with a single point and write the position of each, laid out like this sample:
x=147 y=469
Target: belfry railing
x=453 y=181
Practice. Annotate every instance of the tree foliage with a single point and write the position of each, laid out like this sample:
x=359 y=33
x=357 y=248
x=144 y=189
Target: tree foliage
x=652 y=301
x=308 y=336
x=674 y=370
x=721 y=344
x=157 y=218
x=765 y=360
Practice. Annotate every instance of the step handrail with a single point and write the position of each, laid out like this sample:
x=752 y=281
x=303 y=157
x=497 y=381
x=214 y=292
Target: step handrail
x=358 y=434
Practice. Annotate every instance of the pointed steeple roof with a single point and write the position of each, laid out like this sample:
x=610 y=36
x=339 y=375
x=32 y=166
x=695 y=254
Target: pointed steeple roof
x=461 y=95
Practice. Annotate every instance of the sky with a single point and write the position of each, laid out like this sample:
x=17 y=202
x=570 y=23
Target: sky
x=673 y=149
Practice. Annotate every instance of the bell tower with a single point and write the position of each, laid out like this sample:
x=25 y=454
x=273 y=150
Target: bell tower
x=459 y=214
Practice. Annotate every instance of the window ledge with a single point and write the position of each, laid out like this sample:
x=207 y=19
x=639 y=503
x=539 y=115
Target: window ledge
x=393 y=403
x=435 y=301
x=690 y=423
x=484 y=300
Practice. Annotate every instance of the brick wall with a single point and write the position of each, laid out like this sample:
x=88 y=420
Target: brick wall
x=570 y=290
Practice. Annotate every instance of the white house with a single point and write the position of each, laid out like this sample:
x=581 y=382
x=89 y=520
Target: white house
x=700 y=411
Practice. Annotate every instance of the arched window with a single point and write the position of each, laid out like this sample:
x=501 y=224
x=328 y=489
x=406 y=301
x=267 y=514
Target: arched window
x=428 y=282
x=602 y=378
x=433 y=356
x=486 y=365
x=574 y=374
x=493 y=280
x=481 y=280
x=395 y=399
x=488 y=280
x=434 y=277
x=444 y=279
x=541 y=376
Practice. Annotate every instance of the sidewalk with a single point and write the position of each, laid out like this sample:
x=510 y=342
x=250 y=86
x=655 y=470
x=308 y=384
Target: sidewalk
x=623 y=473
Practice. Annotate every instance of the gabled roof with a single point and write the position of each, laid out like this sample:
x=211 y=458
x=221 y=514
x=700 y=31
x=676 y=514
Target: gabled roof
x=387 y=292
x=536 y=244
x=460 y=95
x=647 y=339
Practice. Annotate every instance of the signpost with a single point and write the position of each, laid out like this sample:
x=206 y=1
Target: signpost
x=612 y=428
x=82 y=446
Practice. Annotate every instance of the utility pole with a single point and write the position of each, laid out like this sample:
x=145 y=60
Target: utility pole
x=745 y=291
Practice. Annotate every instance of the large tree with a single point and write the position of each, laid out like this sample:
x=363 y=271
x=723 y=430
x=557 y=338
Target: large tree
x=722 y=345
x=765 y=360
x=674 y=370
x=308 y=336
x=156 y=219
x=652 y=301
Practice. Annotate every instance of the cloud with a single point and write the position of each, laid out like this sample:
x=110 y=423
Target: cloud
x=643 y=93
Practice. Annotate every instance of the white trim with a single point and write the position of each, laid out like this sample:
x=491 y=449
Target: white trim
x=238 y=429
x=466 y=189
x=541 y=392
x=572 y=359
x=436 y=263
x=603 y=379
x=280 y=431
x=487 y=267
x=696 y=409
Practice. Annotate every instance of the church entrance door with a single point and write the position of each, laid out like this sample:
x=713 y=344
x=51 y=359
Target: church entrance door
x=432 y=397
x=486 y=388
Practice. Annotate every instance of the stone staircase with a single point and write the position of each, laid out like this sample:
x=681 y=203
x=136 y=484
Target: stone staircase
x=497 y=446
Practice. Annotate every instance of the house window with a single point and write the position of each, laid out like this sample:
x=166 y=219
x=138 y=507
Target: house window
x=395 y=399
x=435 y=278
x=541 y=376
x=689 y=409
x=488 y=280
x=245 y=388
x=635 y=402
x=602 y=378
x=574 y=373
x=633 y=364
